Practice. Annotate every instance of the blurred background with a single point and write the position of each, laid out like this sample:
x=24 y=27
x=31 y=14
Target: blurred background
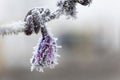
x=91 y=43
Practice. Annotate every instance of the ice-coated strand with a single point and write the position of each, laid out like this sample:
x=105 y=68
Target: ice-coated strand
x=45 y=53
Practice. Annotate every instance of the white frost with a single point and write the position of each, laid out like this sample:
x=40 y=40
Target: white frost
x=13 y=28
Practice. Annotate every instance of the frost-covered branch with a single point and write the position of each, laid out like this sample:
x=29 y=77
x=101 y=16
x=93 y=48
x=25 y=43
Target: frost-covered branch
x=45 y=53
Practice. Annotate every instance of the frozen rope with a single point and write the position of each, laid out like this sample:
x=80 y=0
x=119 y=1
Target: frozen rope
x=45 y=53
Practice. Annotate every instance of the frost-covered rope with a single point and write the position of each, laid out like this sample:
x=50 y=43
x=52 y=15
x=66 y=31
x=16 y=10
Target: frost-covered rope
x=45 y=53
x=13 y=28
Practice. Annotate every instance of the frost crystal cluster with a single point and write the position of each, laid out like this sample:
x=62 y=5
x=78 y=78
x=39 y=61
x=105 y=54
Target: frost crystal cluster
x=45 y=53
